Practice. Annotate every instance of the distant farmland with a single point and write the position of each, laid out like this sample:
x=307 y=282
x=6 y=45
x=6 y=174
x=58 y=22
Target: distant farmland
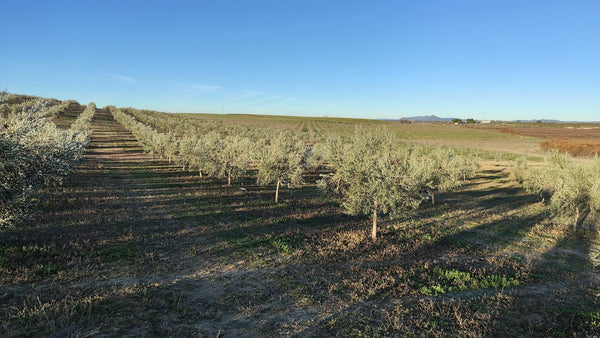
x=170 y=227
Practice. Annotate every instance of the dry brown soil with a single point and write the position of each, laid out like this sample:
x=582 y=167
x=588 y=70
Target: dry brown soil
x=134 y=246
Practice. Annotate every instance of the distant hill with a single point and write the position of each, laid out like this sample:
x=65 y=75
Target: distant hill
x=430 y=118
x=434 y=118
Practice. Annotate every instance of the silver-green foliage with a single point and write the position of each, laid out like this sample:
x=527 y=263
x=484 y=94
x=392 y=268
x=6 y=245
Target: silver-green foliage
x=280 y=160
x=569 y=188
x=519 y=169
x=444 y=170
x=199 y=153
x=232 y=157
x=188 y=153
x=215 y=156
x=49 y=107
x=153 y=142
x=195 y=126
x=211 y=153
x=323 y=154
x=374 y=175
x=35 y=154
x=83 y=124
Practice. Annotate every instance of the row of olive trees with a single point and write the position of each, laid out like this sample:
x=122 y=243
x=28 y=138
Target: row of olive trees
x=280 y=159
x=569 y=188
x=184 y=125
x=373 y=175
x=35 y=155
x=12 y=103
x=163 y=145
x=83 y=125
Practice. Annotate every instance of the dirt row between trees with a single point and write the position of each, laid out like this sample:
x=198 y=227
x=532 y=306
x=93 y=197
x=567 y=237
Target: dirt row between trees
x=134 y=246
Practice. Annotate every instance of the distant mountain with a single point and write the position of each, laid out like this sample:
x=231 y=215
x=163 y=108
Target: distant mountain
x=430 y=118
x=433 y=118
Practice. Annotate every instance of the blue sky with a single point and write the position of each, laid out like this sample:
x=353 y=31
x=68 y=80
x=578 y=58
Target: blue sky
x=375 y=59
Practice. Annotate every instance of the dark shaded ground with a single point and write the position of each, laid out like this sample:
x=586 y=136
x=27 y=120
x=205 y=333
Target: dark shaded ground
x=65 y=118
x=134 y=246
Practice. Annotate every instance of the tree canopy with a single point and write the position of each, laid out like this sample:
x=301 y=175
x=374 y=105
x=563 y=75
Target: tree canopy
x=567 y=187
x=280 y=160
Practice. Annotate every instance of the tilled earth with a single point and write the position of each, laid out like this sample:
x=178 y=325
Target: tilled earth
x=135 y=246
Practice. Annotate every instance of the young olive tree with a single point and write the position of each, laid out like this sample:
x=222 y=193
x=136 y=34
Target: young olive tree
x=233 y=158
x=519 y=169
x=569 y=188
x=324 y=152
x=159 y=144
x=374 y=177
x=207 y=154
x=445 y=171
x=280 y=160
x=186 y=152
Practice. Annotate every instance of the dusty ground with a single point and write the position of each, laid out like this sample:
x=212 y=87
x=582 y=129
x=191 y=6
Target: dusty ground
x=135 y=246
x=577 y=140
x=584 y=132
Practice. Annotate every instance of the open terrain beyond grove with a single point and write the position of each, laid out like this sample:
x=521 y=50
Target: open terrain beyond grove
x=131 y=245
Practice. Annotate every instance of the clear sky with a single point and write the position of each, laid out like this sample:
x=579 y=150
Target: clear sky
x=479 y=59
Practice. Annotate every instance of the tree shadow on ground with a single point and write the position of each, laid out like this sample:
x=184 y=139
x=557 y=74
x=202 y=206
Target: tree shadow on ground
x=163 y=241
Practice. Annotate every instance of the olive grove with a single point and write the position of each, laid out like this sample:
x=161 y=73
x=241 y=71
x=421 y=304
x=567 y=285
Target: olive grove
x=373 y=175
x=36 y=155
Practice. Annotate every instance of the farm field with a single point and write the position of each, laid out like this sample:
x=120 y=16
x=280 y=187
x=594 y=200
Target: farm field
x=576 y=139
x=133 y=245
x=492 y=143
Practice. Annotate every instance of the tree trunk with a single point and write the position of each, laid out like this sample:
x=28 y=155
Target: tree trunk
x=374 y=229
x=580 y=216
x=433 y=198
x=277 y=190
x=200 y=172
x=228 y=178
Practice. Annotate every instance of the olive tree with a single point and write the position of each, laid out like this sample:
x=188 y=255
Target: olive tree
x=445 y=171
x=166 y=144
x=374 y=176
x=35 y=154
x=280 y=160
x=324 y=152
x=186 y=152
x=233 y=157
x=567 y=187
x=207 y=152
x=519 y=169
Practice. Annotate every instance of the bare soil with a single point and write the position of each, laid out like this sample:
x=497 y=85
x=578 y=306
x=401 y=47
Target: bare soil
x=134 y=246
x=577 y=141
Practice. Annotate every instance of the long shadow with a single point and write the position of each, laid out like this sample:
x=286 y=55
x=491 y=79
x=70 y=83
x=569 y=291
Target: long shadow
x=457 y=249
x=95 y=209
x=565 y=302
x=570 y=254
x=148 y=211
x=127 y=185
